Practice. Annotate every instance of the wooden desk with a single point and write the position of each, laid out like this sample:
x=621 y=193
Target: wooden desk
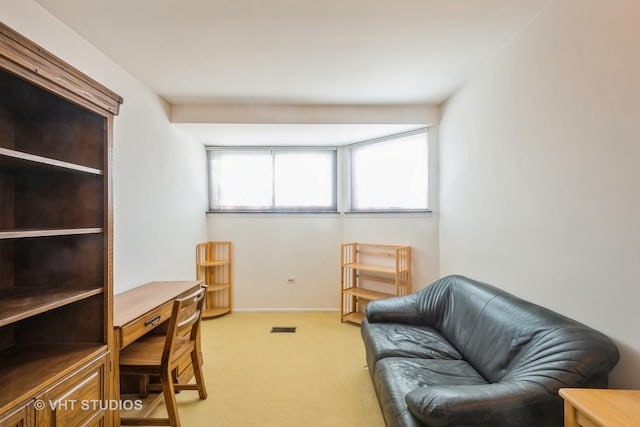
x=584 y=407
x=137 y=312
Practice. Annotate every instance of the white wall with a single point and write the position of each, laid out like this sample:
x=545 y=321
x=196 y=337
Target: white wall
x=159 y=173
x=270 y=248
x=539 y=170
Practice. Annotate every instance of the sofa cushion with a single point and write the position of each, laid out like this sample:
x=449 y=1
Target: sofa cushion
x=516 y=404
x=396 y=376
x=383 y=340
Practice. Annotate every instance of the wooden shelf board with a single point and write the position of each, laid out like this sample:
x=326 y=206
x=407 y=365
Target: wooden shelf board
x=52 y=232
x=367 y=294
x=355 y=317
x=26 y=368
x=388 y=280
x=376 y=245
x=213 y=263
x=215 y=311
x=217 y=288
x=19 y=159
x=21 y=303
x=369 y=267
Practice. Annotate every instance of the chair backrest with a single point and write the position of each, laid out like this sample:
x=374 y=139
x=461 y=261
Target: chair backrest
x=184 y=321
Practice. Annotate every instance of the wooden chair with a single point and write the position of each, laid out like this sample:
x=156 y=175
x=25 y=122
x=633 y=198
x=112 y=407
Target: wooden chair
x=160 y=355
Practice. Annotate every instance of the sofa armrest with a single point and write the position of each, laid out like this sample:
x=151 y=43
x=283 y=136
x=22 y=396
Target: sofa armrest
x=402 y=309
x=499 y=404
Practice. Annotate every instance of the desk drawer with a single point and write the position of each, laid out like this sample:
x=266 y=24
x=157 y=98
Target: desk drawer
x=134 y=330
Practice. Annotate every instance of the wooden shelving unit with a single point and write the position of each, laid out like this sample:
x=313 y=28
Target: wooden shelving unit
x=56 y=239
x=371 y=272
x=213 y=265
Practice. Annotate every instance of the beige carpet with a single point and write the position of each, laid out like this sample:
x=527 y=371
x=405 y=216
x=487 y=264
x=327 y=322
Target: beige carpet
x=314 y=377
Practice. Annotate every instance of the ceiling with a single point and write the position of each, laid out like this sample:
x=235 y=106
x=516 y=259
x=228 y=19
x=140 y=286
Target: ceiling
x=303 y=52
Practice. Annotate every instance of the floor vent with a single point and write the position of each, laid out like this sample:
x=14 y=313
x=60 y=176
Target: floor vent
x=283 y=329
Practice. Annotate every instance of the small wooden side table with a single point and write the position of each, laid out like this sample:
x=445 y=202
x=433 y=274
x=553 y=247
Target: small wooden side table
x=584 y=407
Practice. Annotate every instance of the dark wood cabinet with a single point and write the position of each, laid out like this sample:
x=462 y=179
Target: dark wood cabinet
x=56 y=233
x=21 y=416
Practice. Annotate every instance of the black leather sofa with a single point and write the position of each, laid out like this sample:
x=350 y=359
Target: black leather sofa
x=464 y=353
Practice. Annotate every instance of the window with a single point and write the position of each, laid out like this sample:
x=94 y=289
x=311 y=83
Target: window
x=272 y=179
x=390 y=174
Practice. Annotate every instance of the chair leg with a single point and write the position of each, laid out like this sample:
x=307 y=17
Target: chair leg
x=197 y=373
x=170 y=398
x=143 y=386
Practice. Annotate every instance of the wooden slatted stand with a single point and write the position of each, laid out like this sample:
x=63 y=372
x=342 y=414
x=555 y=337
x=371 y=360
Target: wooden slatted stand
x=213 y=265
x=371 y=272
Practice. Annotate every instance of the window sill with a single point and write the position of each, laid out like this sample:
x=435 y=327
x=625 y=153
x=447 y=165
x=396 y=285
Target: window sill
x=389 y=214
x=285 y=212
x=287 y=215
x=323 y=214
x=374 y=211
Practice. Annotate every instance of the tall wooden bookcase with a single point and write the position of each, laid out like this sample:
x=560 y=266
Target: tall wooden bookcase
x=213 y=265
x=55 y=238
x=371 y=272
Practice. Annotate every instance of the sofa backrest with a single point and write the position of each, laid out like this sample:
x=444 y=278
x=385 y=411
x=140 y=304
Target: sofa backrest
x=453 y=305
x=506 y=338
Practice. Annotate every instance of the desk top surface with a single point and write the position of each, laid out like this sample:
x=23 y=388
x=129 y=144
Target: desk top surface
x=131 y=304
x=607 y=407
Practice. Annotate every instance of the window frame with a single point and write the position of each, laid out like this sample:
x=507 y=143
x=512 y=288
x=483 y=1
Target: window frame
x=333 y=208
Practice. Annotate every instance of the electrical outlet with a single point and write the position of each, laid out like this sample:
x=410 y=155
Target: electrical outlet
x=291 y=281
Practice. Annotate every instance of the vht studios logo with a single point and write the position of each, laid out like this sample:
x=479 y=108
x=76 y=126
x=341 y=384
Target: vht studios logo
x=88 y=405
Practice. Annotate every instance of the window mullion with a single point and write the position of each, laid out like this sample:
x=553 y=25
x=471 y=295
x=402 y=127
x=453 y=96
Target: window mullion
x=273 y=180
